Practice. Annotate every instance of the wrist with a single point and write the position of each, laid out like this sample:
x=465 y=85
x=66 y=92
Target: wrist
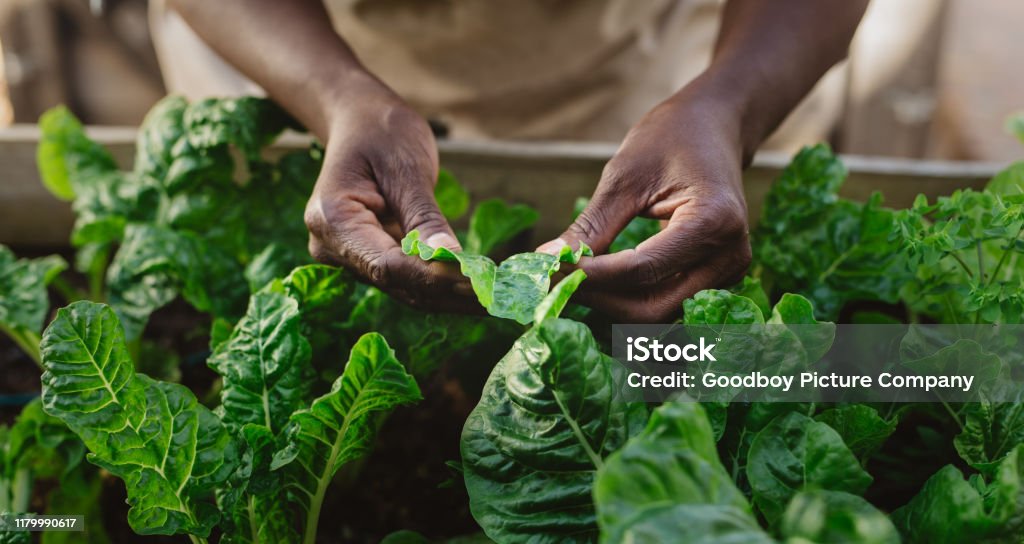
x=733 y=98
x=347 y=92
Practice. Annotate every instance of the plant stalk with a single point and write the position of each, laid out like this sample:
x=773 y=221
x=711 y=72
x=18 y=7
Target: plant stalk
x=28 y=341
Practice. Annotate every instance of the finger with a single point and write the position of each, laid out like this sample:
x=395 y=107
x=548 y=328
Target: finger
x=349 y=234
x=692 y=235
x=660 y=305
x=597 y=225
x=416 y=208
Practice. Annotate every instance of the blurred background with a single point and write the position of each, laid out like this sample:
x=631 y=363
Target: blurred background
x=925 y=78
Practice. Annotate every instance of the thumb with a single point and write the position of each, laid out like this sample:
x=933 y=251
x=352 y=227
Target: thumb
x=417 y=209
x=597 y=226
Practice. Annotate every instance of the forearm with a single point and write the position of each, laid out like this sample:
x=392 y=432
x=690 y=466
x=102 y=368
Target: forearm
x=289 y=48
x=769 y=55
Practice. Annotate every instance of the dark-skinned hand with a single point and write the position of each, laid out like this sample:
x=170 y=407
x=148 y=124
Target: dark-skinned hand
x=681 y=164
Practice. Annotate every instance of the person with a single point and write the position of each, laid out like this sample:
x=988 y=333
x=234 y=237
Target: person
x=681 y=162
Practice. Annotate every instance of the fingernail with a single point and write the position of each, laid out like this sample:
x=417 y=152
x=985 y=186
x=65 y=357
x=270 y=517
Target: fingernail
x=552 y=247
x=442 y=239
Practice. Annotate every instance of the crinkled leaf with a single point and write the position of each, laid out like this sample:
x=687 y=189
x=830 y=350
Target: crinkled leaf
x=340 y=426
x=855 y=256
x=720 y=307
x=668 y=476
x=950 y=509
x=170 y=450
x=23 y=297
x=551 y=411
x=424 y=340
x=990 y=431
x=264 y=364
x=155 y=264
x=837 y=518
x=511 y=290
x=794 y=453
x=862 y=429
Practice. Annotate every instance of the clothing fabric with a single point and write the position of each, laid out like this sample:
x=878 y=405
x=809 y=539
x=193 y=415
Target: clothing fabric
x=504 y=69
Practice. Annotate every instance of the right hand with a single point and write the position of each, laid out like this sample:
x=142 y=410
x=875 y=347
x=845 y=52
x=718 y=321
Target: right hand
x=376 y=185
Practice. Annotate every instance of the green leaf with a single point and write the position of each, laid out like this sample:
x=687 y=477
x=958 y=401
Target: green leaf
x=155 y=264
x=667 y=477
x=855 y=256
x=274 y=261
x=65 y=152
x=551 y=411
x=554 y=302
x=160 y=131
x=1008 y=182
x=248 y=123
x=752 y=289
x=511 y=290
x=991 y=430
x=24 y=301
x=424 y=341
x=264 y=364
x=860 y=426
x=720 y=307
x=815 y=336
x=837 y=518
x=170 y=451
x=452 y=197
x=340 y=426
x=794 y=453
x=494 y=223
x=949 y=509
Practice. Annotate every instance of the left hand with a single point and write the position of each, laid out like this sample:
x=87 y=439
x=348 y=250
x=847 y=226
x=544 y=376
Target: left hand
x=681 y=163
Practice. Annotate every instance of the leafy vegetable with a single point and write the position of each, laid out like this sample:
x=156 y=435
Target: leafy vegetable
x=512 y=289
x=452 y=197
x=854 y=257
x=23 y=298
x=340 y=425
x=550 y=413
x=265 y=364
x=951 y=509
x=494 y=223
x=793 y=453
x=667 y=484
x=170 y=450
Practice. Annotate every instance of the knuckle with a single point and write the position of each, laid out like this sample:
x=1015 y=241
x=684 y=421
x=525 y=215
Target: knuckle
x=587 y=225
x=377 y=270
x=647 y=271
x=423 y=214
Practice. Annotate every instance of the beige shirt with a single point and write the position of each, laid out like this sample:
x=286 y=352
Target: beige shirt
x=524 y=69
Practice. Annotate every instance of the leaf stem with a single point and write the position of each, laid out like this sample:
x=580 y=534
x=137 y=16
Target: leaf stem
x=952 y=414
x=1006 y=253
x=197 y=539
x=981 y=262
x=28 y=341
x=962 y=264
x=252 y=520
